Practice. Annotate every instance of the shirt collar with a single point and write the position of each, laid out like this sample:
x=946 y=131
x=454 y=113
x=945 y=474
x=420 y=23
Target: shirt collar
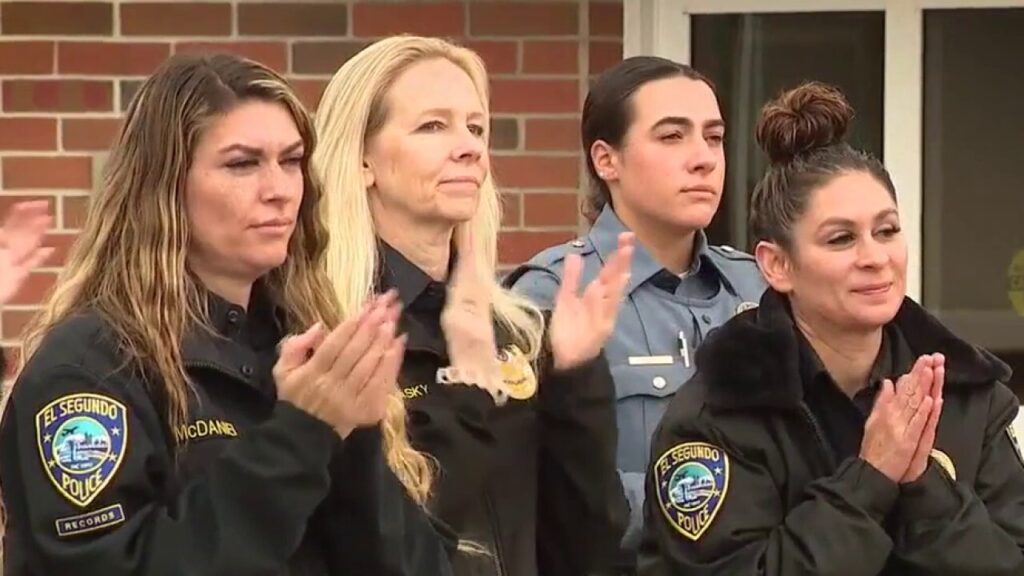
x=604 y=235
x=412 y=283
x=894 y=359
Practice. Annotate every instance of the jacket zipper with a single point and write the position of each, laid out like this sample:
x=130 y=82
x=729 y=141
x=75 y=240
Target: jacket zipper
x=819 y=436
x=499 y=554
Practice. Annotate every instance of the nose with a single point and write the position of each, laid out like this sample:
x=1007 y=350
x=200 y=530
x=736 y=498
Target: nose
x=700 y=157
x=468 y=146
x=871 y=253
x=273 y=183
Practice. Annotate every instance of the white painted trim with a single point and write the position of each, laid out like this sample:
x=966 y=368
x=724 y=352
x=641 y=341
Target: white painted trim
x=656 y=27
x=902 y=126
x=947 y=4
x=774 y=6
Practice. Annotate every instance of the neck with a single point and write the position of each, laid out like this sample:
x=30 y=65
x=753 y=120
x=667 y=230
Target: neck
x=234 y=290
x=670 y=246
x=428 y=247
x=847 y=355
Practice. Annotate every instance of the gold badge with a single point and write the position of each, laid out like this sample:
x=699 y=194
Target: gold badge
x=943 y=459
x=1011 y=431
x=744 y=306
x=517 y=374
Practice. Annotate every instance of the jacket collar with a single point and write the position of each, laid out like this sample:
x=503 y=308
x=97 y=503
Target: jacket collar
x=754 y=359
x=234 y=332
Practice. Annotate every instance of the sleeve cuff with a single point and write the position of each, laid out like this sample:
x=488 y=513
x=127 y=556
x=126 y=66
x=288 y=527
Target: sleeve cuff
x=559 y=388
x=933 y=495
x=868 y=488
x=316 y=439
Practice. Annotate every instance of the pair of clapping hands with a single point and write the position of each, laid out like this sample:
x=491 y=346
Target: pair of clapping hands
x=899 y=435
x=345 y=376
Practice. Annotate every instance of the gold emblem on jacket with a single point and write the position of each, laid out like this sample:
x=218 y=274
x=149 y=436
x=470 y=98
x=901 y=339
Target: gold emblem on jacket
x=943 y=459
x=517 y=373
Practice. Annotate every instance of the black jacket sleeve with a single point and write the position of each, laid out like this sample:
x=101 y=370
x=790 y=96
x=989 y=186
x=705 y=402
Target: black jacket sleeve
x=837 y=524
x=947 y=527
x=582 y=510
x=370 y=523
x=246 y=515
x=451 y=424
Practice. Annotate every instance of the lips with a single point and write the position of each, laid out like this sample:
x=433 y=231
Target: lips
x=699 y=190
x=871 y=289
x=275 y=223
x=462 y=180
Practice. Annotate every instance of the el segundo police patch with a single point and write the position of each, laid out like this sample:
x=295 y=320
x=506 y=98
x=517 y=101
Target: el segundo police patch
x=692 y=480
x=82 y=440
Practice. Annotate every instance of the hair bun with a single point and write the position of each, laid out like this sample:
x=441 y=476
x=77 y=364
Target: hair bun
x=811 y=116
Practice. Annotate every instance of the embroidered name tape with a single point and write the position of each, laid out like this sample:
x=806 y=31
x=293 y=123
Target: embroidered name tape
x=90 y=521
x=82 y=440
x=692 y=481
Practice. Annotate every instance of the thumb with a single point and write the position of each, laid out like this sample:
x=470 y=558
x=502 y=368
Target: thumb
x=886 y=394
x=295 y=349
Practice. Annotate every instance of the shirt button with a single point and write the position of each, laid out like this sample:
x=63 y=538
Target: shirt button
x=659 y=382
x=706 y=319
x=233 y=316
x=247 y=370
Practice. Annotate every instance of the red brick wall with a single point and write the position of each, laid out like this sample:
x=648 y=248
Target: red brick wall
x=67 y=70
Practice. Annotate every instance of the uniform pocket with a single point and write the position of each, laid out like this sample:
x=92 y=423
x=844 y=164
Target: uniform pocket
x=642 y=395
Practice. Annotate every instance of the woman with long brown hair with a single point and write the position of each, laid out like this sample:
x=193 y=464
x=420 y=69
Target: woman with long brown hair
x=160 y=424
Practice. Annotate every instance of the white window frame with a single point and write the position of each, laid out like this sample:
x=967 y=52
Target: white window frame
x=662 y=28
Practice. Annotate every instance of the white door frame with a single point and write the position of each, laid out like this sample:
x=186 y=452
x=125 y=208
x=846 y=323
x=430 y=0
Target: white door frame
x=662 y=28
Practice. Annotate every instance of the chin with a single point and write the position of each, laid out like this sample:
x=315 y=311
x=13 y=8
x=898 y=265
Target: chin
x=267 y=262
x=876 y=316
x=457 y=214
x=692 y=219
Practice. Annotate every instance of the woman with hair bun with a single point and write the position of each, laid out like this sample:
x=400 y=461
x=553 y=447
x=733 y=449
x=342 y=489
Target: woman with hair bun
x=838 y=427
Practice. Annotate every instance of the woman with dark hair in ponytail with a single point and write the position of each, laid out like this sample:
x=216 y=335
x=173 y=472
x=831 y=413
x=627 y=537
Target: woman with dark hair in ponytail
x=838 y=427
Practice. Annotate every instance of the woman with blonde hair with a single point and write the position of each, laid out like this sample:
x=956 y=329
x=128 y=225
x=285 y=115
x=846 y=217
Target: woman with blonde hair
x=516 y=412
x=160 y=424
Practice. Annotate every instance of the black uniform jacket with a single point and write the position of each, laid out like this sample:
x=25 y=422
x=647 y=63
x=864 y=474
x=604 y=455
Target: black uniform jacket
x=743 y=480
x=533 y=481
x=91 y=485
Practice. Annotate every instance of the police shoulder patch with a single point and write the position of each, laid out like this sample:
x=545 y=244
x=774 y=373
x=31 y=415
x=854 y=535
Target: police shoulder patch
x=82 y=440
x=692 y=481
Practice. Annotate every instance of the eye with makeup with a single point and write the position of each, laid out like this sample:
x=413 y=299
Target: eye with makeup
x=242 y=163
x=437 y=126
x=431 y=126
x=294 y=160
x=845 y=238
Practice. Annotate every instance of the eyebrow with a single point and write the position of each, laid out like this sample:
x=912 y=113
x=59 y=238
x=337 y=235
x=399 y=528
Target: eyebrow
x=846 y=222
x=447 y=113
x=684 y=122
x=252 y=151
